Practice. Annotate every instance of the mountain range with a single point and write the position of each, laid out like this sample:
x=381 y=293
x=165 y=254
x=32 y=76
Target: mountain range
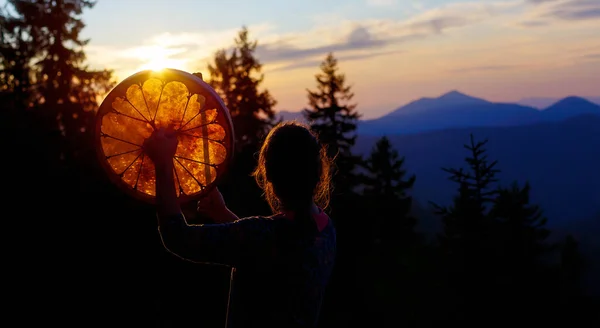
x=556 y=149
x=559 y=159
x=541 y=102
x=457 y=110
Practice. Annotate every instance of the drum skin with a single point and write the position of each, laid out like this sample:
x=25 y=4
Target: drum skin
x=149 y=100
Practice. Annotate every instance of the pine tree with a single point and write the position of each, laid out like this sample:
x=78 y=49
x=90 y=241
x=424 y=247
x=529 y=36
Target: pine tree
x=237 y=77
x=521 y=249
x=385 y=189
x=520 y=226
x=46 y=57
x=466 y=241
x=16 y=55
x=334 y=118
x=466 y=222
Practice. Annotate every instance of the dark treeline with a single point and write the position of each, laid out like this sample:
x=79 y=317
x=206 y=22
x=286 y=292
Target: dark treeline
x=86 y=254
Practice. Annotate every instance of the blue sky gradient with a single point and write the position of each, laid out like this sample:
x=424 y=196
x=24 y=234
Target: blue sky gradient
x=392 y=51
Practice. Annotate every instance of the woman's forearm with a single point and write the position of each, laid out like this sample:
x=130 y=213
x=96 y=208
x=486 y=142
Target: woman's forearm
x=167 y=202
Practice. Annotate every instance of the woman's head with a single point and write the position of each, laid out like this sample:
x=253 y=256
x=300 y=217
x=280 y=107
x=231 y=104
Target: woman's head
x=293 y=168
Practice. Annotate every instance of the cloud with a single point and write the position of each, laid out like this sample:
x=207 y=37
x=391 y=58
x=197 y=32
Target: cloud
x=540 y=1
x=378 y=34
x=592 y=56
x=381 y=3
x=359 y=38
x=546 y=12
x=575 y=10
x=484 y=68
x=533 y=23
x=187 y=50
x=349 y=40
x=316 y=62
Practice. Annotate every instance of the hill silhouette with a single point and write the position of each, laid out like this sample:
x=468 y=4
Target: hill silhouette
x=569 y=107
x=559 y=159
x=447 y=100
x=458 y=110
x=543 y=149
x=455 y=109
x=545 y=102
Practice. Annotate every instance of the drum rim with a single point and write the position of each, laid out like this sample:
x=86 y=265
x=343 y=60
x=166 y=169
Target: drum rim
x=166 y=75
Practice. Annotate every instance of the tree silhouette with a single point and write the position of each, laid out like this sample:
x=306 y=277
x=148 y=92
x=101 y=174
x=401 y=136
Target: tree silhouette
x=44 y=58
x=466 y=240
x=16 y=55
x=466 y=222
x=385 y=189
x=334 y=119
x=521 y=251
x=388 y=250
x=237 y=77
x=521 y=227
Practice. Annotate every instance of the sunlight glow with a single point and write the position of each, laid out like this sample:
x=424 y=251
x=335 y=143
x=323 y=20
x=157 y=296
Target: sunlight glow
x=159 y=63
x=158 y=57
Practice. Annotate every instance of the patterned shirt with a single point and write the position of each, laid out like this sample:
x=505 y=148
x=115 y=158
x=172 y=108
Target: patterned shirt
x=280 y=274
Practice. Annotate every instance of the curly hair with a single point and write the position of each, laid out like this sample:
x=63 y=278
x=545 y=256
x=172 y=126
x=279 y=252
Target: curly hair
x=293 y=168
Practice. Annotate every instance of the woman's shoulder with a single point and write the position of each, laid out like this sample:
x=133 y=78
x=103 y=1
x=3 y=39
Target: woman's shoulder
x=260 y=222
x=261 y=218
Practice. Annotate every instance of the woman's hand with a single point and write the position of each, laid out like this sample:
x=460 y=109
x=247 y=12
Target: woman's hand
x=161 y=147
x=212 y=205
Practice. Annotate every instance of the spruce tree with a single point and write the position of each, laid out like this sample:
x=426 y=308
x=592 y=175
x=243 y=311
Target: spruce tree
x=466 y=240
x=386 y=190
x=466 y=223
x=520 y=226
x=45 y=55
x=333 y=117
x=237 y=77
x=16 y=55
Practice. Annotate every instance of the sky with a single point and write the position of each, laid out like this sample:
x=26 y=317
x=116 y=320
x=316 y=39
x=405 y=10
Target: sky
x=392 y=51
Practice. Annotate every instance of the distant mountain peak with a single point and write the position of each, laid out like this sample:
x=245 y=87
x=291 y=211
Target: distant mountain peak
x=571 y=106
x=452 y=99
x=571 y=102
x=574 y=100
x=454 y=94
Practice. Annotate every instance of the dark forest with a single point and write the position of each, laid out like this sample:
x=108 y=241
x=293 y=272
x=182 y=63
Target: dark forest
x=80 y=252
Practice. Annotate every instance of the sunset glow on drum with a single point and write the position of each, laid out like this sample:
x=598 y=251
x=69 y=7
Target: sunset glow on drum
x=148 y=101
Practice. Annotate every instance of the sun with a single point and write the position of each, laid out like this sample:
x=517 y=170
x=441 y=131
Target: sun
x=160 y=63
x=159 y=57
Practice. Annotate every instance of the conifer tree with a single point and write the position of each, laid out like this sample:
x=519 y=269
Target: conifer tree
x=386 y=190
x=333 y=117
x=466 y=222
x=237 y=77
x=466 y=240
x=520 y=227
x=43 y=57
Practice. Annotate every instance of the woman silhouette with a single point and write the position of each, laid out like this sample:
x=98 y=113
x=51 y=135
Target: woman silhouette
x=284 y=261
